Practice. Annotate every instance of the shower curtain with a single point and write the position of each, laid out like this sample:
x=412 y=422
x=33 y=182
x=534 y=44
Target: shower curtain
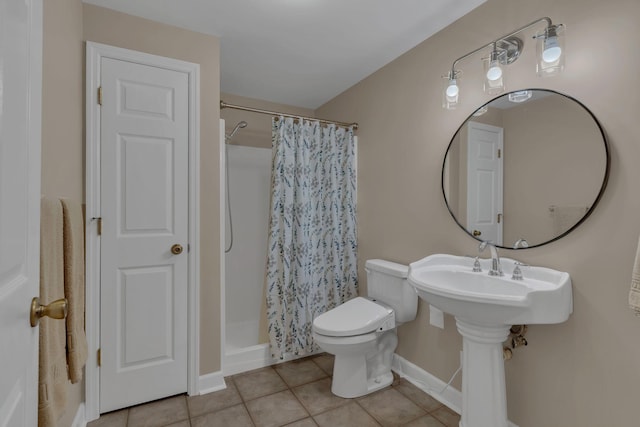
x=312 y=265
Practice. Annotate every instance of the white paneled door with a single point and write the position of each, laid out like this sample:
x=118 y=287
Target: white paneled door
x=20 y=105
x=484 y=181
x=144 y=178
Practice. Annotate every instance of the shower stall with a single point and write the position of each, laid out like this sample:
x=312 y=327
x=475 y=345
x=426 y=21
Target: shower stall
x=246 y=190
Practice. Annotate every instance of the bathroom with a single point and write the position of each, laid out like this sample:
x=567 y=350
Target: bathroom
x=583 y=372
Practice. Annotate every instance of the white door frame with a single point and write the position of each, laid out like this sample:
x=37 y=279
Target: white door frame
x=95 y=53
x=223 y=244
x=498 y=205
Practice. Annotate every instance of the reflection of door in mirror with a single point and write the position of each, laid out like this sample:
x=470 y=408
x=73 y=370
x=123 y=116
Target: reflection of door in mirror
x=484 y=179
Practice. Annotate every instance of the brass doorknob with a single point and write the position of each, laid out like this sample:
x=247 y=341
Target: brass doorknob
x=476 y=233
x=54 y=310
x=176 y=249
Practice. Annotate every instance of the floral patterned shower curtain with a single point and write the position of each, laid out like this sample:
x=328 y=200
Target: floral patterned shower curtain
x=312 y=265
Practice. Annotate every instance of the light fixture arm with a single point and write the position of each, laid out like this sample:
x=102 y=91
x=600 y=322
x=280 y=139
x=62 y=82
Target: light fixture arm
x=506 y=36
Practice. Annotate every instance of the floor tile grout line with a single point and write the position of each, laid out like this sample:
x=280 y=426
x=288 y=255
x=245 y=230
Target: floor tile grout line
x=308 y=382
x=250 y=416
x=300 y=402
x=367 y=412
x=290 y=389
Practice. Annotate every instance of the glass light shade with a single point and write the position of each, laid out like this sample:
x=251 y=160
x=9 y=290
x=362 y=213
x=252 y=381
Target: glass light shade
x=494 y=74
x=550 y=51
x=520 y=96
x=495 y=71
x=450 y=94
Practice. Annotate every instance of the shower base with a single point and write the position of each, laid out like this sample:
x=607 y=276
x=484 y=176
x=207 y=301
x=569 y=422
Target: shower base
x=243 y=353
x=244 y=359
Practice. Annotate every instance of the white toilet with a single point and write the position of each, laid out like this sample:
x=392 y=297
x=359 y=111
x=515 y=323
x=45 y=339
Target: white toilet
x=361 y=333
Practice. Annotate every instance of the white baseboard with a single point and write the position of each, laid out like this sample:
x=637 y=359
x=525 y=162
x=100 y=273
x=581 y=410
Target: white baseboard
x=433 y=386
x=209 y=383
x=79 y=420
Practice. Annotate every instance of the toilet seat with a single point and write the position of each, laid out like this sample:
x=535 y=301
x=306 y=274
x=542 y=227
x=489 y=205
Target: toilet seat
x=357 y=316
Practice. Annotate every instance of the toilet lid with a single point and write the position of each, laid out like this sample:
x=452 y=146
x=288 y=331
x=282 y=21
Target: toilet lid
x=355 y=317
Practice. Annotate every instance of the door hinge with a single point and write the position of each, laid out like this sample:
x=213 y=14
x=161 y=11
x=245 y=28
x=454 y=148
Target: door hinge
x=99 y=355
x=99 y=226
x=499 y=150
x=100 y=95
x=499 y=218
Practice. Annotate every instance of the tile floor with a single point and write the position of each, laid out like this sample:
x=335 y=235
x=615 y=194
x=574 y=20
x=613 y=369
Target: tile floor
x=295 y=394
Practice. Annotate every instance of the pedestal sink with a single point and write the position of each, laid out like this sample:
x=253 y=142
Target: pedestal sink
x=485 y=307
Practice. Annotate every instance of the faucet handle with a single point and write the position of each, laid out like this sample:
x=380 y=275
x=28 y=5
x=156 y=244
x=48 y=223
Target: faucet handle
x=517 y=272
x=476 y=266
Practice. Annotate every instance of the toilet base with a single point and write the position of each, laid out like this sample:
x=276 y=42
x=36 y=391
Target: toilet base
x=362 y=368
x=350 y=378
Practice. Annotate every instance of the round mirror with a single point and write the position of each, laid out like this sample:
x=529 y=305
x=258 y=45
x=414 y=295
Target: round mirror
x=525 y=169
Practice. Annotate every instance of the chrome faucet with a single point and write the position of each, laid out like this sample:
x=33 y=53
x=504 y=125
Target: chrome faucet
x=496 y=267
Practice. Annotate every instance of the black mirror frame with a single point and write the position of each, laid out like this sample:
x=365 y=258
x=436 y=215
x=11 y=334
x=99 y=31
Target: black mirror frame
x=593 y=205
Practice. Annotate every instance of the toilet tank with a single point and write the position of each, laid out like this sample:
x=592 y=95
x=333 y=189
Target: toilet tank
x=387 y=282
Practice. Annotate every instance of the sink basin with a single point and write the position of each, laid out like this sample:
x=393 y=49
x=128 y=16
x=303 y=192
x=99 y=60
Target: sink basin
x=449 y=283
x=485 y=307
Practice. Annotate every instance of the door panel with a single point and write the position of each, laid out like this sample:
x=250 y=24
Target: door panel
x=144 y=199
x=484 y=181
x=148 y=192
x=147 y=340
x=20 y=104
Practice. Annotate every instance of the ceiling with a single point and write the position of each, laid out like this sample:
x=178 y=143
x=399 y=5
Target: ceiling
x=302 y=52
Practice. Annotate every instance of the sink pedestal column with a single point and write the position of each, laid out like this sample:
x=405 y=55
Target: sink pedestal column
x=484 y=398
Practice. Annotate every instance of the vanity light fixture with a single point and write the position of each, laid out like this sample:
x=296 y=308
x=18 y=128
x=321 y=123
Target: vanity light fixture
x=505 y=50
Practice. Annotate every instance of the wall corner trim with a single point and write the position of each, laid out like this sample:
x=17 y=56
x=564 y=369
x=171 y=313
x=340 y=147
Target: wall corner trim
x=208 y=383
x=430 y=384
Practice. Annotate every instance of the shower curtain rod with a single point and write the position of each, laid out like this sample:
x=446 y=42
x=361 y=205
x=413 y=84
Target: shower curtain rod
x=275 y=113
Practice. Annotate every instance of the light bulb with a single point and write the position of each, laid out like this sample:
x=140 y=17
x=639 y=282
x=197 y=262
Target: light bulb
x=552 y=50
x=494 y=72
x=452 y=90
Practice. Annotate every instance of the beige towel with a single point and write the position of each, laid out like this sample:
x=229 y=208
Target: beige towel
x=74 y=286
x=634 y=292
x=52 y=393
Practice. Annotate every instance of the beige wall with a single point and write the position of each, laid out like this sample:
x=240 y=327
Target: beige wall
x=580 y=373
x=63 y=100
